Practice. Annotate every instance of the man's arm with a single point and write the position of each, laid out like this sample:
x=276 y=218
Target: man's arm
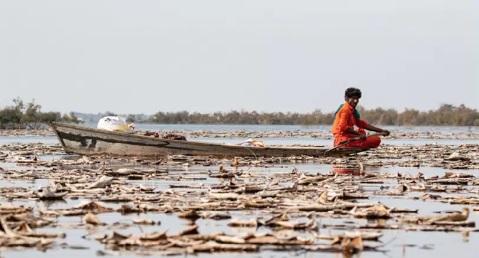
x=363 y=124
x=376 y=129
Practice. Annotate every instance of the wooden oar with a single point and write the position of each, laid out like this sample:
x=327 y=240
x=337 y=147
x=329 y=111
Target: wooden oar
x=351 y=140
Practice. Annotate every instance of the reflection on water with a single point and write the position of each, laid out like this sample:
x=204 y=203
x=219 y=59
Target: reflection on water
x=348 y=170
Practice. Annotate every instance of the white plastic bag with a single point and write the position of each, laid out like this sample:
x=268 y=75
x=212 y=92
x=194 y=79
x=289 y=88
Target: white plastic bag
x=114 y=123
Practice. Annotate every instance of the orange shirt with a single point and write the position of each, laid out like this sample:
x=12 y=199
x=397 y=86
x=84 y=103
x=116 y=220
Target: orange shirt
x=345 y=119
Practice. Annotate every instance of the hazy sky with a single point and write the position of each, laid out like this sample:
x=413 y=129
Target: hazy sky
x=145 y=56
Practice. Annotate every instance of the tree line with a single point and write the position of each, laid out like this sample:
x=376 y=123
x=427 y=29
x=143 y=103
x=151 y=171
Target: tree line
x=22 y=115
x=29 y=115
x=445 y=115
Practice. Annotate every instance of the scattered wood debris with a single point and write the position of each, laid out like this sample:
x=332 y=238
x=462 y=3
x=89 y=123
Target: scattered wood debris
x=283 y=210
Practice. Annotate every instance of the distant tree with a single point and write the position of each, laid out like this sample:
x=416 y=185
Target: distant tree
x=71 y=118
x=130 y=118
x=29 y=115
x=10 y=117
x=108 y=113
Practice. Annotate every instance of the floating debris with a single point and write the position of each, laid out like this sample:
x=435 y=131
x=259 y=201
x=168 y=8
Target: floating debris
x=237 y=205
x=91 y=219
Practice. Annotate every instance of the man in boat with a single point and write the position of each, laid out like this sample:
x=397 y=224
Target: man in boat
x=346 y=118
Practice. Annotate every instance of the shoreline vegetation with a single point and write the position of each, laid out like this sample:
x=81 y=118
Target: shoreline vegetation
x=29 y=116
x=22 y=115
x=445 y=115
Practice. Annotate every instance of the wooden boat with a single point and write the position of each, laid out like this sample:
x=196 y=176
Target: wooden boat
x=90 y=141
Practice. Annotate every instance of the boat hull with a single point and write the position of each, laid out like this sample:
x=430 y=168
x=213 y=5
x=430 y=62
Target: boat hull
x=90 y=141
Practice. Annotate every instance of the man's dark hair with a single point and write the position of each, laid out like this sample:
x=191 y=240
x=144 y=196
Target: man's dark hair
x=352 y=92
